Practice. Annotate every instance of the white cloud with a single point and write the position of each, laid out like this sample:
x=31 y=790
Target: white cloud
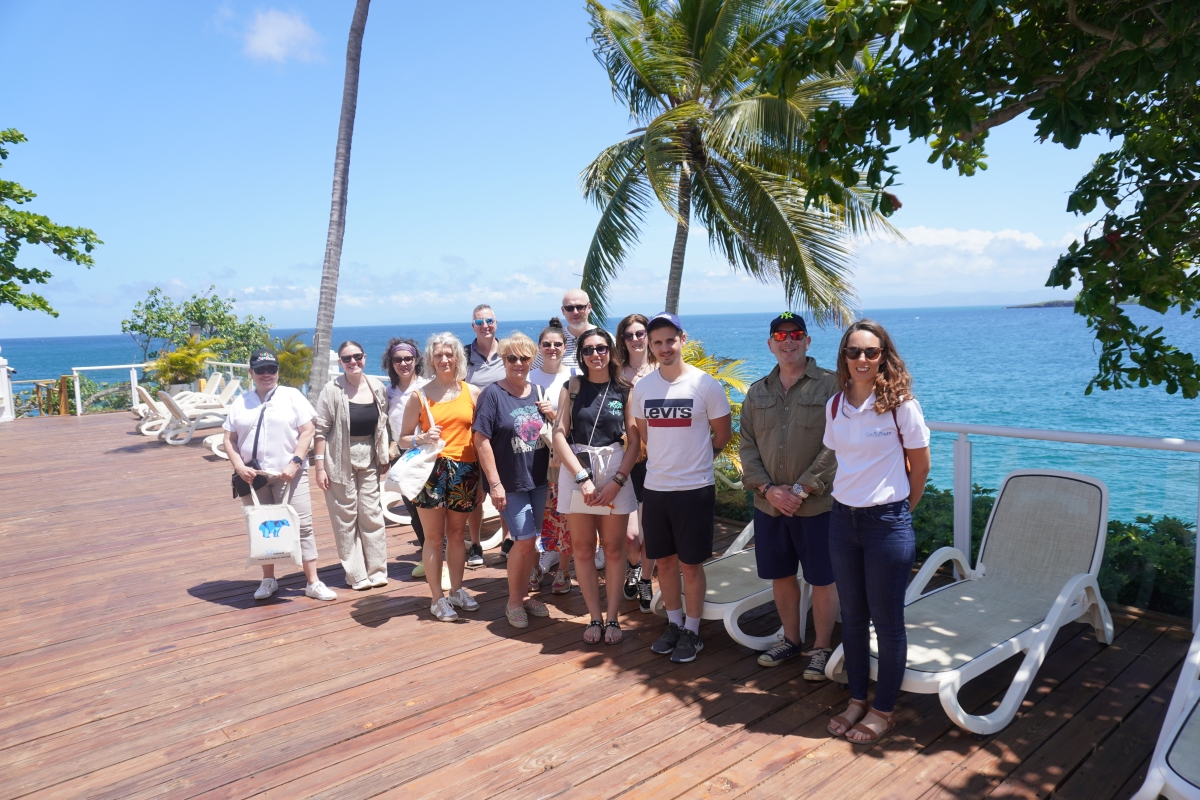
x=275 y=35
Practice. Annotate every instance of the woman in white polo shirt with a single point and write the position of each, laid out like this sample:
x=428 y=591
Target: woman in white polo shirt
x=875 y=426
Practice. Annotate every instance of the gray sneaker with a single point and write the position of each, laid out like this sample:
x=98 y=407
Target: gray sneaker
x=475 y=556
x=688 y=646
x=666 y=643
x=815 y=671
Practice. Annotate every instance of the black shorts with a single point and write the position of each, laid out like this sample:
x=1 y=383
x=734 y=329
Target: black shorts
x=638 y=476
x=680 y=523
x=784 y=544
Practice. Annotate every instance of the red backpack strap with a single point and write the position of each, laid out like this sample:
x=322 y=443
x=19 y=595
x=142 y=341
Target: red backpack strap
x=837 y=401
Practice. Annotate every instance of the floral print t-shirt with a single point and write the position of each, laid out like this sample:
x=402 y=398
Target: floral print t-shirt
x=513 y=425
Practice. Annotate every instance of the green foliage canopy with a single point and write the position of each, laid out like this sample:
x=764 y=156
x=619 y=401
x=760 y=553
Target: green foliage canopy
x=295 y=360
x=24 y=227
x=159 y=324
x=713 y=144
x=186 y=362
x=950 y=71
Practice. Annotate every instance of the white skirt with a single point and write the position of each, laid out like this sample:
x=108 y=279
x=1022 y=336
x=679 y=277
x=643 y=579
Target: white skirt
x=605 y=463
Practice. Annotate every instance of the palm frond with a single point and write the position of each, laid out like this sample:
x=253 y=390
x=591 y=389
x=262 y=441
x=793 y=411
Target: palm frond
x=622 y=188
x=760 y=23
x=733 y=373
x=644 y=69
x=667 y=143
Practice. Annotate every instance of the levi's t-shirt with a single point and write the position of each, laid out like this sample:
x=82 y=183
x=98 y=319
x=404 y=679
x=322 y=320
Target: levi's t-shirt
x=513 y=425
x=679 y=454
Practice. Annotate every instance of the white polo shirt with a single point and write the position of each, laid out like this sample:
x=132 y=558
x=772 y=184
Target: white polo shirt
x=870 y=459
x=287 y=410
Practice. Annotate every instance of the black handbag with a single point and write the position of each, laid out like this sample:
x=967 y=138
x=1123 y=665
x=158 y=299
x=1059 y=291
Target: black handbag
x=240 y=487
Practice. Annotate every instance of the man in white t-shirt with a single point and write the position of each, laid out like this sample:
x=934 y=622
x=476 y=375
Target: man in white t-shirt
x=576 y=307
x=684 y=418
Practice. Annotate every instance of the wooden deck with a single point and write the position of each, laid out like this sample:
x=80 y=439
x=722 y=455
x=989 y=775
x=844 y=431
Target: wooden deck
x=134 y=663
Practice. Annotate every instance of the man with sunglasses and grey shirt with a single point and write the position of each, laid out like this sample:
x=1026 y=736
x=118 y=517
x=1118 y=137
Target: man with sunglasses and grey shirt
x=791 y=474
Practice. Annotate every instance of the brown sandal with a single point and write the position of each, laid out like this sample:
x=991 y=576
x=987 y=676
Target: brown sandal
x=873 y=737
x=845 y=723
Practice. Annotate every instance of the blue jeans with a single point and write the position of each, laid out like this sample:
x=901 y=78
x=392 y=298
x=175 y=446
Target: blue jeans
x=523 y=513
x=872 y=551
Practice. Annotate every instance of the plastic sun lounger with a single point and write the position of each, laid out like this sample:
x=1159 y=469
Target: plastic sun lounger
x=1175 y=766
x=156 y=416
x=1036 y=572
x=186 y=421
x=216 y=443
x=735 y=588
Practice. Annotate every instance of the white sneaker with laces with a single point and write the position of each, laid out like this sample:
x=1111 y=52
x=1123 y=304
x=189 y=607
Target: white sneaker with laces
x=268 y=587
x=319 y=591
x=442 y=609
x=548 y=561
x=463 y=600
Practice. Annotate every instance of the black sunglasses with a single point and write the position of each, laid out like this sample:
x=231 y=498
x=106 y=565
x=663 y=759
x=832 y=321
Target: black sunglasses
x=270 y=369
x=512 y=359
x=403 y=359
x=872 y=353
x=574 y=308
x=630 y=336
x=353 y=357
x=597 y=349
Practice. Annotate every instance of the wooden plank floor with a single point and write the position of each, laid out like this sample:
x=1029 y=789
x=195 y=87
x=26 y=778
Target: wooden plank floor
x=134 y=663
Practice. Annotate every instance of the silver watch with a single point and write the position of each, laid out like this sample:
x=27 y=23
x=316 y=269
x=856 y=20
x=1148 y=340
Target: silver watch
x=798 y=490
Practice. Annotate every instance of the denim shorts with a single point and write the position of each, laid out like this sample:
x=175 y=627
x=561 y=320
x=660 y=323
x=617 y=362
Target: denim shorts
x=523 y=513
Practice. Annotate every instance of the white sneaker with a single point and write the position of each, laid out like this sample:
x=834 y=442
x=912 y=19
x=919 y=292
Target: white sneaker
x=268 y=587
x=362 y=585
x=319 y=591
x=380 y=581
x=443 y=611
x=599 y=558
x=463 y=600
x=548 y=561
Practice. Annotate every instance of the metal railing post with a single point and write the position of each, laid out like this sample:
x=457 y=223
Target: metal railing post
x=962 y=495
x=78 y=397
x=7 y=412
x=1196 y=582
x=133 y=387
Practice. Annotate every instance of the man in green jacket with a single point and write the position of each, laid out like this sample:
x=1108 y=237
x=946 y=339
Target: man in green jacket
x=791 y=473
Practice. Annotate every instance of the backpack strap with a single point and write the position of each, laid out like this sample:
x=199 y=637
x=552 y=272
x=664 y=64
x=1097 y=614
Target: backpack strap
x=573 y=385
x=837 y=401
x=899 y=435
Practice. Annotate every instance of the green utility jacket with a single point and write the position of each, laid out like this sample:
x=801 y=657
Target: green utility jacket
x=781 y=438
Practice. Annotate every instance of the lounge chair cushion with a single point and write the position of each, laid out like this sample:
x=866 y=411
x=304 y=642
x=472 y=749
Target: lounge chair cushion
x=733 y=578
x=1184 y=755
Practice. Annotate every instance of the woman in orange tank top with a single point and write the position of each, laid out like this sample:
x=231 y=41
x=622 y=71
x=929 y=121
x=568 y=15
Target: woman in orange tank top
x=449 y=495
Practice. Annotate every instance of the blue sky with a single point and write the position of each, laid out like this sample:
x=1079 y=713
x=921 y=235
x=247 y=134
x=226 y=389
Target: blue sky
x=197 y=140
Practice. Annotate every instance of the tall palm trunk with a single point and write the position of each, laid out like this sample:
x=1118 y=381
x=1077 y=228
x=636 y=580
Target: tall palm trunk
x=327 y=303
x=675 y=278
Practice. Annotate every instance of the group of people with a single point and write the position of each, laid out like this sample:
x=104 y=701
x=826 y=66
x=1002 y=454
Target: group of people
x=600 y=448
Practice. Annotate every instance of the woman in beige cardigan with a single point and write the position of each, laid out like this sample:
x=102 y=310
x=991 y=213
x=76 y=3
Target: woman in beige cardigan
x=352 y=460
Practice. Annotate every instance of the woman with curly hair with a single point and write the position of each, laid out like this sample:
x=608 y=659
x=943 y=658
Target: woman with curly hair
x=444 y=409
x=876 y=428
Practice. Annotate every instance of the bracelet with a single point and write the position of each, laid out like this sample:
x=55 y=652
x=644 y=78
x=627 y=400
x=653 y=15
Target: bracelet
x=319 y=456
x=619 y=479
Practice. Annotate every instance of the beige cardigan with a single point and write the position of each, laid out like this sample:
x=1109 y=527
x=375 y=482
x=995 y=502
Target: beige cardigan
x=333 y=425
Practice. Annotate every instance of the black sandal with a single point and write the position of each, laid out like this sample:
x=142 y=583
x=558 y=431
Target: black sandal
x=594 y=624
x=612 y=623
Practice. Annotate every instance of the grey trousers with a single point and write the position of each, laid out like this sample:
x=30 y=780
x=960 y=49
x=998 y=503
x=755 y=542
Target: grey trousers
x=356 y=514
x=276 y=492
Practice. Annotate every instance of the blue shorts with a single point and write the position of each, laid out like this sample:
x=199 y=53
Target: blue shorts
x=523 y=513
x=782 y=544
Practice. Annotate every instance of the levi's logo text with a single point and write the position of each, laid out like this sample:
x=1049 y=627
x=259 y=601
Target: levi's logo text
x=669 y=413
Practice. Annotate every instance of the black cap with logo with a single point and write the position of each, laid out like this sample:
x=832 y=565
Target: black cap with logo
x=788 y=316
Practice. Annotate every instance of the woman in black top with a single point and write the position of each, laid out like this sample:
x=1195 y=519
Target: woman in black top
x=597 y=443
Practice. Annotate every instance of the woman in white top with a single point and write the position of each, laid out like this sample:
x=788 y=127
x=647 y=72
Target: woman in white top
x=555 y=541
x=875 y=426
x=403 y=364
x=637 y=362
x=269 y=430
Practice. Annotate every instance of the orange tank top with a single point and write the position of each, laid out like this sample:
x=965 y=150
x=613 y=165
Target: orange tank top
x=456 y=418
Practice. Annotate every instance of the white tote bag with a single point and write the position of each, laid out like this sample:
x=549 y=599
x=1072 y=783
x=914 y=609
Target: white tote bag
x=274 y=532
x=412 y=471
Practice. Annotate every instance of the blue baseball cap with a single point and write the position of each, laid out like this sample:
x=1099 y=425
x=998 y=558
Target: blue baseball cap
x=788 y=316
x=664 y=317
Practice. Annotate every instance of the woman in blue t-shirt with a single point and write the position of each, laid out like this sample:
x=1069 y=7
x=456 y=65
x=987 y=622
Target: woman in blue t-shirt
x=514 y=459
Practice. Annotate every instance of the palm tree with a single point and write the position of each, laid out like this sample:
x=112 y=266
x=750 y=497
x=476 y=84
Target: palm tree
x=712 y=144
x=295 y=360
x=327 y=302
x=734 y=375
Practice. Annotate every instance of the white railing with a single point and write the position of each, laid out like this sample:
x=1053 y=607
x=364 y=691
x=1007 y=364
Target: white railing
x=962 y=473
x=133 y=383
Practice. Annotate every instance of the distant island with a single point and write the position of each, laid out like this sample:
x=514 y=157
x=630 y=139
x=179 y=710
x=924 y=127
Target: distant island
x=1048 y=304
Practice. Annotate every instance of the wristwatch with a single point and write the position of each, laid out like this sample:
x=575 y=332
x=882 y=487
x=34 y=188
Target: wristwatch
x=798 y=490
x=582 y=476
x=766 y=487
x=298 y=460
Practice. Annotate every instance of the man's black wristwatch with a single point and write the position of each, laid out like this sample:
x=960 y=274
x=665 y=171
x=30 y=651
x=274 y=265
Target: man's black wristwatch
x=298 y=461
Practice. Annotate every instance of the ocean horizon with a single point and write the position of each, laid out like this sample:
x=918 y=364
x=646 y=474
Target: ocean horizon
x=988 y=365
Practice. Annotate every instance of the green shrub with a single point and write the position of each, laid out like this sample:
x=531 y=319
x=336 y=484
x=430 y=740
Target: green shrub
x=933 y=521
x=1150 y=563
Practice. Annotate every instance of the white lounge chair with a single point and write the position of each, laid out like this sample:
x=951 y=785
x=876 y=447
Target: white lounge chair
x=1036 y=572
x=735 y=588
x=216 y=443
x=155 y=416
x=186 y=421
x=1175 y=766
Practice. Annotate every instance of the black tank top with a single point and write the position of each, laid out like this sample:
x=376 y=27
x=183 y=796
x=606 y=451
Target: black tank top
x=592 y=402
x=364 y=417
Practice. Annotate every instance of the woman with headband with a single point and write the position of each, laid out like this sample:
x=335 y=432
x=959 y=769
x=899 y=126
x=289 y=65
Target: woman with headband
x=403 y=364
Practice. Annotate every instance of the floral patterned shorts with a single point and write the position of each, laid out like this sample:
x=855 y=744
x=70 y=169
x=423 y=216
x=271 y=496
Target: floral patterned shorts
x=452 y=485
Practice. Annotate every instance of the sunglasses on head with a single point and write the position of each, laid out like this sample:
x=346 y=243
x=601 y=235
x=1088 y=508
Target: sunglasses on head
x=872 y=353
x=595 y=349
x=795 y=336
x=352 y=357
x=270 y=369
x=513 y=359
x=553 y=345
x=479 y=323
x=403 y=359
x=630 y=336
x=575 y=308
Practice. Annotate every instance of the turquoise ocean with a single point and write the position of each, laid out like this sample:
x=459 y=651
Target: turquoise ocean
x=985 y=365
